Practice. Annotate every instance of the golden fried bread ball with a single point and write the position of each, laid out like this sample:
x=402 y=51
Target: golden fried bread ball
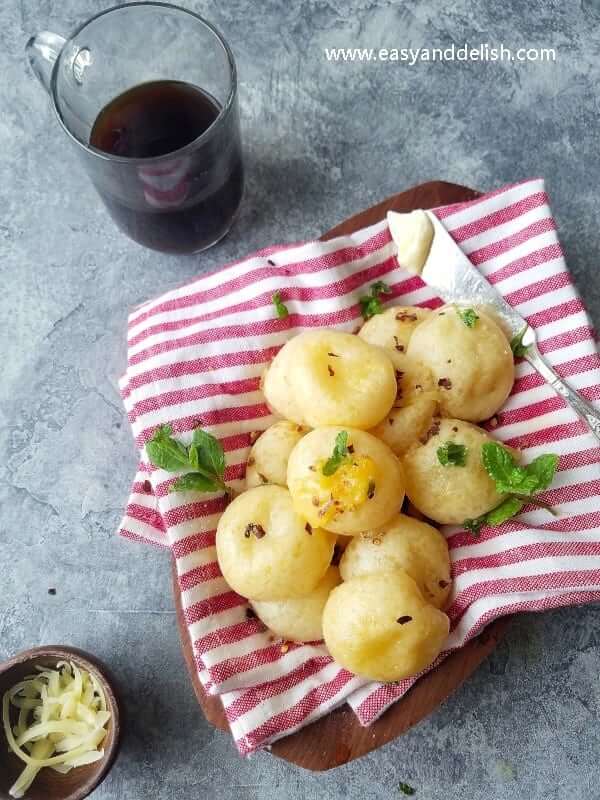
x=380 y=627
x=338 y=379
x=364 y=491
x=266 y=551
x=471 y=361
x=299 y=619
x=267 y=462
x=451 y=493
x=407 y=544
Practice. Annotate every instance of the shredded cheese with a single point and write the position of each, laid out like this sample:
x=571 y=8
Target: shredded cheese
x=59 y=721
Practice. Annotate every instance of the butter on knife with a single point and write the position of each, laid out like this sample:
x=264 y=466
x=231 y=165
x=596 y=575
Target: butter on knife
x=412 y=234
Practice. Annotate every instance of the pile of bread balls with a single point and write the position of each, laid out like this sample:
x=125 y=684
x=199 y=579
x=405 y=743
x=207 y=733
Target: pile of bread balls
x=318 y=542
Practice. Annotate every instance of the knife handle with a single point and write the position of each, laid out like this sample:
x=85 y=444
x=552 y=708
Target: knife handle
x=580 y=406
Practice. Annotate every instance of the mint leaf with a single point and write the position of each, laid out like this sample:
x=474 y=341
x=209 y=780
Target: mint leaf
x=543 y=469
x=474 y=525
x=516 y=344
x=501 y=467
x=166 y=452
x=468 y=316
x=339 y=455
x=211 y=457
x=371 y=304
x=280 y=306
x=452 y=454
x=510 y=478
x=407 y=789
x=193 y=456
x=507 y=509
x=380 y=287
x=194 y=481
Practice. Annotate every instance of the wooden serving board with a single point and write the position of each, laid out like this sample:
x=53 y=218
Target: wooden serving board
x=338 y=737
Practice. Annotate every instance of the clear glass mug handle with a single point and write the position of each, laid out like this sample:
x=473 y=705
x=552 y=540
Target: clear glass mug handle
x=42 y=51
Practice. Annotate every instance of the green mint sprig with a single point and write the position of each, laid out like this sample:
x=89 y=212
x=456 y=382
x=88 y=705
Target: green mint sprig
x=370 y=304
x=452 y=454
x=280 y=307
x=519 y=483
x=516 y=344
x=339 y=455
x=468 y=316
x=204 y=457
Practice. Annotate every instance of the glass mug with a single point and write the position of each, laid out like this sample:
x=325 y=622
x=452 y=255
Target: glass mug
x=178 y=201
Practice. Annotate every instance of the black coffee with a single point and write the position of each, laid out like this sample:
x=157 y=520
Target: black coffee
x=181 y=203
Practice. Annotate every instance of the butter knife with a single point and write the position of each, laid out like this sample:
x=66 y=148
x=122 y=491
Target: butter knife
x=454 y=278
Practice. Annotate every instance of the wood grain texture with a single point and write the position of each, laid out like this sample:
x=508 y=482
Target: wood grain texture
x=50 y=785
x=338 y=737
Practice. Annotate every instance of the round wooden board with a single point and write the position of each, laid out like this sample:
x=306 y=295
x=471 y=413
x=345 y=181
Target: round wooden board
x=338 y=737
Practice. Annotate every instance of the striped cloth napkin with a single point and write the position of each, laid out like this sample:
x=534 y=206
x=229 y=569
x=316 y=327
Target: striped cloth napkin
x=195 y=358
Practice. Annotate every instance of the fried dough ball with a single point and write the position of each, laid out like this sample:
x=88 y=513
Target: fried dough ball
x=299 y=619
x=267 y=462
x=416 y=405
x=473 y=366
x=366 y=489
x=407 y=544
x=337 y=379
x=380 y=627
x=276 y=385
x=392 y=330
x=451 y=494
x=266 y=551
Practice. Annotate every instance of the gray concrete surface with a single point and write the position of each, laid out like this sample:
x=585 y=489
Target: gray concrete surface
x=322 y=140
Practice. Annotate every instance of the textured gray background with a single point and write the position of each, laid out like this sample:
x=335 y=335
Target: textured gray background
x=322 y=141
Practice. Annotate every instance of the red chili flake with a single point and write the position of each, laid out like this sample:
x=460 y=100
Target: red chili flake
x=433 y=431
x=350 y=448
x=250 y=613
x=443 y=584
x=406 y=316
x=399 y=374
x=251 y=461
x=147 y=487
x=403 y=620
x=445 y=383
x=399 y=347
x=419 y=387
x=330 y=370
x=253 y=528
x=337 y=555
x=254 y=436
x=308 y=528
x=299 y=428
x=270 y=262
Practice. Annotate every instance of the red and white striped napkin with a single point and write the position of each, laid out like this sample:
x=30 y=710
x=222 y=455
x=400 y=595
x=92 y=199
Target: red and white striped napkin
x=195 y=358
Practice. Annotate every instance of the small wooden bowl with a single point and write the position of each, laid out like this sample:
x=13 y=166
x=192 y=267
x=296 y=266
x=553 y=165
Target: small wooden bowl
x=50 y=785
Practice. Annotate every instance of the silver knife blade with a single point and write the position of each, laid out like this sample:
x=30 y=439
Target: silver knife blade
x=450 y=273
